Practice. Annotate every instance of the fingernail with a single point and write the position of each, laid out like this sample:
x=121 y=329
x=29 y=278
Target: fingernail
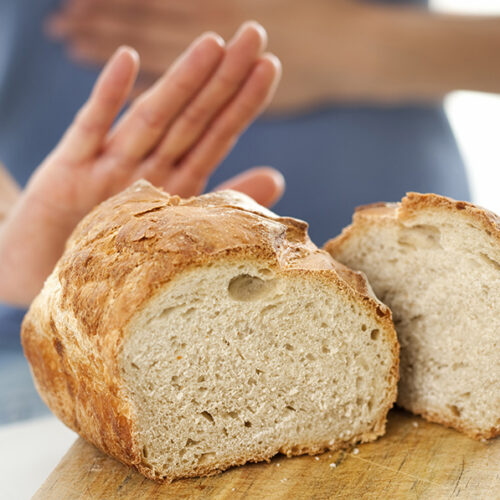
x=216 y=37
x=210 y=34
x=256 y=26
x=130 y=50
x=278 y=178
x=274 y=60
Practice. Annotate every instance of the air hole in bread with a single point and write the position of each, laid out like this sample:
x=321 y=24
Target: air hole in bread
x=145 y=451
x=269 y=308
x=363 y=328
x=189 y=312
x=167 y=311
x=374 y=335
x=325 y=349
x=289 y=347
x=454 y=409
x=207 y=415
x=190 y=442
x=233 y=414
x=310 y=357
x=248 y=423
x=491 y=262
x=133 y=365
x=359 y=383
x=266 y=273
x=206 y=457
x=421 y=236
x=245 y=287
x=291 y=408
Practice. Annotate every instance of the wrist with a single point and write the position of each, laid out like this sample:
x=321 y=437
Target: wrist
x=30 y=244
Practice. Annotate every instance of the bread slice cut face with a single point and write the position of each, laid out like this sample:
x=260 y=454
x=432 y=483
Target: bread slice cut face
x=187 y=336
x=436 y=263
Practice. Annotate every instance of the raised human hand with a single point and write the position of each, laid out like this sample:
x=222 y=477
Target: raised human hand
x=174 y=135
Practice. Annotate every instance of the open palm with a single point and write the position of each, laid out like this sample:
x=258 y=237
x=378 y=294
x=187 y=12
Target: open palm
x=174 y=135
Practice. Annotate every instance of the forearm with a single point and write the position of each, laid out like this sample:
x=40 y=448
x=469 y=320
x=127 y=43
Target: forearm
x=9 y=193
x=424 y=55
x=31 y=240
x=365 y=52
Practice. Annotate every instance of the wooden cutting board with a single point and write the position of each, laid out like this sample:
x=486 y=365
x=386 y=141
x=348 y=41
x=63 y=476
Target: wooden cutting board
x=414 y=459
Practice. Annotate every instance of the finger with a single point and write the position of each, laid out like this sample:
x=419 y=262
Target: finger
x=144 y=124
x=128 y=7
x=265 y=185
x=91 y=125
x=223 y=133
x=241 y=55
x=155 y=57
x=119 y=27
x=93 y=37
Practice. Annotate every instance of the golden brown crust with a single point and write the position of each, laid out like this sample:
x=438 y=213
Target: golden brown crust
x=122 y=254
x=411 y=206
x=288 y=450
x=415 y=202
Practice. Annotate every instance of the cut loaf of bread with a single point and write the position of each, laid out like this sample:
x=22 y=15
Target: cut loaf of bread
x=436 y=263
x=186 y=336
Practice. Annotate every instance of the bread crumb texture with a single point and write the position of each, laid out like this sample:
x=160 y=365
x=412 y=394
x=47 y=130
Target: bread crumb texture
x=186 y=336
x=436 y=263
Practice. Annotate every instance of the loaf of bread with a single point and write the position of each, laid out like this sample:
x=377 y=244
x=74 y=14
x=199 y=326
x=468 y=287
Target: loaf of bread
x=436 y=263
x=186 y=336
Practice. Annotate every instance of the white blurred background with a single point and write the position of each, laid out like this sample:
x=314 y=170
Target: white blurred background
x=475 y=118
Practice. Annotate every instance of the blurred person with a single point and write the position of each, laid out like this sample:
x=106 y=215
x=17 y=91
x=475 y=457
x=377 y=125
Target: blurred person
x=224 y=86
x=358 y=116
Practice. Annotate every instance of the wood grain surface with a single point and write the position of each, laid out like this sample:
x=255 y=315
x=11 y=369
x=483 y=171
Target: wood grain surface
x=415 y=459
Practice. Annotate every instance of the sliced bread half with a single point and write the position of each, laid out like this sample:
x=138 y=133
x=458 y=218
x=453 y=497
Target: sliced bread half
x=436 y=263
x=186 y=336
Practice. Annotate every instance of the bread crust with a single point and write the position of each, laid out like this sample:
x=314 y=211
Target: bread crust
x=402 y=212
x=410 y=206
x=121 y=255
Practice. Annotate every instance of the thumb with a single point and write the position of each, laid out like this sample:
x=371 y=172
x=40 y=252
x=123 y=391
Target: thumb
x=264 y=184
